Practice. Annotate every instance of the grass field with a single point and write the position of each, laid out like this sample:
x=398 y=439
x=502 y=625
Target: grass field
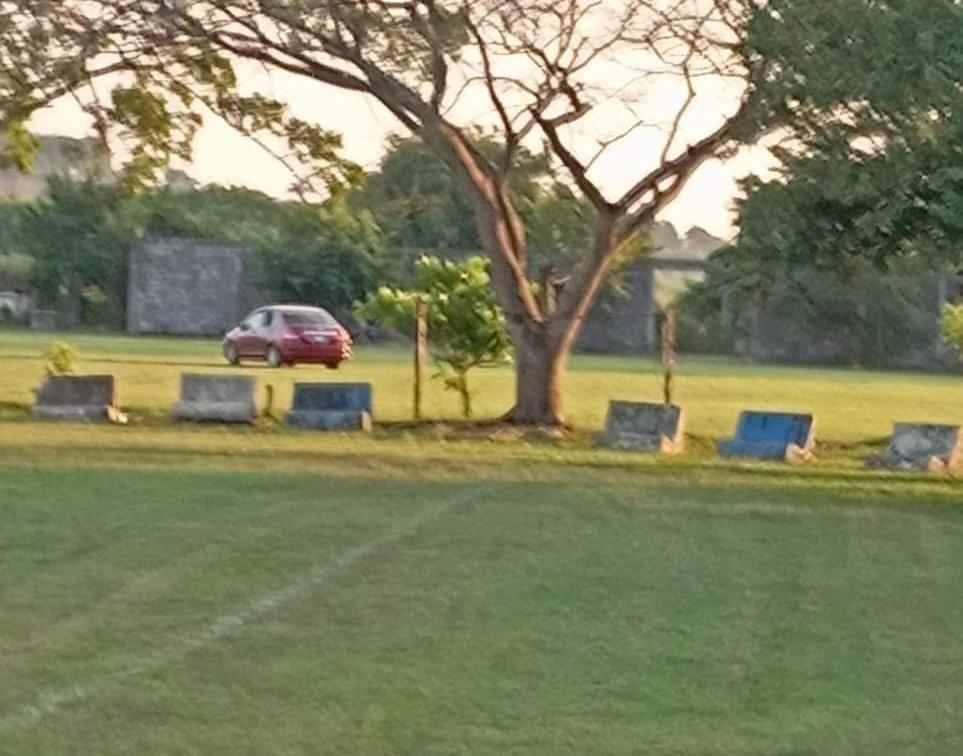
x=851 y=406
x=172 y=590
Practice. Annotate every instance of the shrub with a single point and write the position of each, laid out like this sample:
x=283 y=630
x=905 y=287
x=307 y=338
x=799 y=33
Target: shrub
x=953 y=326
x=61 y=359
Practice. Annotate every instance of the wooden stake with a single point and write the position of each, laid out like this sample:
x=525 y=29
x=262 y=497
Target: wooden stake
x=668 y=354
x=421 y=350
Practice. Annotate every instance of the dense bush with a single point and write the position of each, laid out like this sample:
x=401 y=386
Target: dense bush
x=855 y=314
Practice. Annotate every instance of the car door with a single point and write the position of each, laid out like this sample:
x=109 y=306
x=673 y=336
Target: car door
x=262 y=334
x=247 y=342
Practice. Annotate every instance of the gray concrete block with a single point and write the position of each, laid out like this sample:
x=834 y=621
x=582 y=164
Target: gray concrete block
x=87 y=398
x=643 y=427
x=216 y=399
x=921 y=447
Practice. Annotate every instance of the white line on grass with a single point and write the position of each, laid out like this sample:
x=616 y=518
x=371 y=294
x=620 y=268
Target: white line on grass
x=53 y=700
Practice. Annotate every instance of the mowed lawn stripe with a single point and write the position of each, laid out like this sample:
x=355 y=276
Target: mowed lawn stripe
x=99 y=591
x=602 y=616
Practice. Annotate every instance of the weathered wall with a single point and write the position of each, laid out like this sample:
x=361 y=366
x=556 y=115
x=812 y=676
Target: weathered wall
x=189 y=286
x=626 y=321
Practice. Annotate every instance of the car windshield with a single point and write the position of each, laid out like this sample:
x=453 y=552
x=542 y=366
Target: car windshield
x=310 y=319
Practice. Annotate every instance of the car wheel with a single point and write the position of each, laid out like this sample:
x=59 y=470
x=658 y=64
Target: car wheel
x=332 y=365
x=274 y=357
x=230 y=354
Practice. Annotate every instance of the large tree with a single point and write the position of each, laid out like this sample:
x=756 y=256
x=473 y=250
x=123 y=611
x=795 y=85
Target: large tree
x=579 y=75
x=867 y=98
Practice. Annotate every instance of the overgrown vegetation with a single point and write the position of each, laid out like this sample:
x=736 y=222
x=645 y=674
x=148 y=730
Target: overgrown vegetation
x=73 y=244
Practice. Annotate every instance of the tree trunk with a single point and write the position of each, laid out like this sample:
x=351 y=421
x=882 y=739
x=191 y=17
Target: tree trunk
x=539 y=368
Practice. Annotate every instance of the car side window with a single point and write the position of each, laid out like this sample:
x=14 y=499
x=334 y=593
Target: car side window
x=255 y=321
x=267 y=317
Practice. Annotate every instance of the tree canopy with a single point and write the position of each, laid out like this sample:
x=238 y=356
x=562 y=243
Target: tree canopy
x=868 y=101
x=866 y=206
x=415 y=197
x=545 y=69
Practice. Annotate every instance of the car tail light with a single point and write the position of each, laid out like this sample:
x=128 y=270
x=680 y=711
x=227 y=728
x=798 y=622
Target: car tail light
x=334 y=333
x=324 y=335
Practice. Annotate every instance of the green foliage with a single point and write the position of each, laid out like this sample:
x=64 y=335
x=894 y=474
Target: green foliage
x=854 y=313
x=855 y=67
x=80 y=236
x=466 y=327
x=312 y=253
x=417 y=201
x=13 y=217
x=868 y=98
x=168 y=75
x=560 y=225
x=15 y=269
x=324 y=254
x=868 y=203
x=61 y=359
x=953 y=326
x=145 y=114
x=19 y=146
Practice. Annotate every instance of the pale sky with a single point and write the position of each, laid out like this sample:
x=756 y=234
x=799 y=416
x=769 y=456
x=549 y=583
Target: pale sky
x=225 y=157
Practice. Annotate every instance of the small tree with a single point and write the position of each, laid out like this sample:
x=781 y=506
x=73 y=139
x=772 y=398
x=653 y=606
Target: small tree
x=953 y=326
x=466 y=327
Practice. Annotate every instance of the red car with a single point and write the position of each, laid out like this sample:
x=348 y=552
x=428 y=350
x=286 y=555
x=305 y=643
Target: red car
x=288 y=334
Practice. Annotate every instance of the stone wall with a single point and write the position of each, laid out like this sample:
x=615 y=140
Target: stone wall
x=189 y=287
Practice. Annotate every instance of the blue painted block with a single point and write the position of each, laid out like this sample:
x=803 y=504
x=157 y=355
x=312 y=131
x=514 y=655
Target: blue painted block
x=332 y=397
x=331 y=406
x=771 y=435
